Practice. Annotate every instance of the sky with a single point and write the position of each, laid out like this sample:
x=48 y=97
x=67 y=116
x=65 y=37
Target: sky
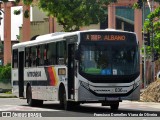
x=16 y=22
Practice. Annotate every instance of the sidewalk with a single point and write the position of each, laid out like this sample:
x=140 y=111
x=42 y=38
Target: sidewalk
x=5 y=95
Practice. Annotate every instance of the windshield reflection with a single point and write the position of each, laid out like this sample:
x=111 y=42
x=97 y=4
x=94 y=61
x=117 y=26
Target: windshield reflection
x=107 y=60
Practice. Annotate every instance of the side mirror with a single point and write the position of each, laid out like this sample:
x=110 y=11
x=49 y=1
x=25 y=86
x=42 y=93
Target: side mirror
x=77 y=55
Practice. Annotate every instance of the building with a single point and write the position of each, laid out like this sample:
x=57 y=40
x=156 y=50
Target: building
x=40 y=24
x=2 y=50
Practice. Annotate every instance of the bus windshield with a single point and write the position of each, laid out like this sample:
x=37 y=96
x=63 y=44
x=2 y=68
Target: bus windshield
x=98 y=59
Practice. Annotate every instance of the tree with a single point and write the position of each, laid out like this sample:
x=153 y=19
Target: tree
x=139 y=3
x=72 y=14
x=152 y=25
x=5 y=73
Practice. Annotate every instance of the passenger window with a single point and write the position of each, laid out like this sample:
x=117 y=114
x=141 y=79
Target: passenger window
x=46 y=62
x=28 y=57
x=61 y=52
x=37 y=55
x=42 y=47
x=33 y=53
x=52 y=53
x=15 y=59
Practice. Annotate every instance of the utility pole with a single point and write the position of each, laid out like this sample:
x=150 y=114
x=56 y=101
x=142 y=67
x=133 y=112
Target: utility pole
x=144 y=56
x=152 y=45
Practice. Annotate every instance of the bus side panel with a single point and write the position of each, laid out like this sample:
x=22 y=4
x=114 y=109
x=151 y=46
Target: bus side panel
x=45 y=81
x=36 y=77
x=15 y=88
x=55 y=75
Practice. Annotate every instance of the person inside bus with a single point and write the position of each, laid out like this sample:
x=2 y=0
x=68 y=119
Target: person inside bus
x=104 y=64
x=106 y=71
x=30 y=60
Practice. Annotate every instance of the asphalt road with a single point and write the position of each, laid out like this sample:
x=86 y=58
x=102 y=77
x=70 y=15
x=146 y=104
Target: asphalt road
x=127 y=111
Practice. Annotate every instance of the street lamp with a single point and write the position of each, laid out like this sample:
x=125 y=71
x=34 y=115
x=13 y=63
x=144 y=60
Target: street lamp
x=152 y=45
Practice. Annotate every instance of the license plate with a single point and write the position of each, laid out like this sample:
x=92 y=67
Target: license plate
x=112 y=98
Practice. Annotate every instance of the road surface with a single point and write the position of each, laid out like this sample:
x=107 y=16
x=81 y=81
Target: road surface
x=127 y=110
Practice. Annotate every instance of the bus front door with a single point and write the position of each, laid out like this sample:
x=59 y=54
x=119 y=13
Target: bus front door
x=71 y=70
x=21 y=73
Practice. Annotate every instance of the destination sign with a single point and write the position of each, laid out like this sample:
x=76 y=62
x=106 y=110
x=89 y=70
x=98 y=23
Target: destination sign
x=98 y=37
x=108 y=37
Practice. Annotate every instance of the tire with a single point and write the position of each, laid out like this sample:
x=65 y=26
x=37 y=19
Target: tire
x=61 y=99
x=64 y=104
x=32 y=102
x=67 y=104
x=38 y=103
x=76 y=104
x=115 y=106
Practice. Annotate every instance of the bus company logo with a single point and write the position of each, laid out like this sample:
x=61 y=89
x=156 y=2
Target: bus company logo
x=6 y=114
x=34 y=74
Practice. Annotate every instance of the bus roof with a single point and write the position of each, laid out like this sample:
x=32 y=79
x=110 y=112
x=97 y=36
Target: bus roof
x=58 y=36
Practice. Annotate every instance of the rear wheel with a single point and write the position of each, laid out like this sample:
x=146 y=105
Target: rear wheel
x=38 y=102
x=30 y=101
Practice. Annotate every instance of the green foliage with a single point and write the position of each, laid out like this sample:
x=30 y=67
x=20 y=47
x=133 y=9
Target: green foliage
x=4 y=0
x=138 y=4
x=135 y=6
x=157 y=1
x=8 y=92
x=5 y=73
x=152 y=25
x=27 y=2
x=16 y=12
x=17 y=1
x=26 y=14
x=18 y=37
x=72 y=14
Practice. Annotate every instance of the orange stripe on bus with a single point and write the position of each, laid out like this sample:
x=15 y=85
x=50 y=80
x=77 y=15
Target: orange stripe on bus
x=52 y=76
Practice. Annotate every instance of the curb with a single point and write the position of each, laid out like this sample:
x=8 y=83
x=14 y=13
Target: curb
x=3 y=95
x=8 y=97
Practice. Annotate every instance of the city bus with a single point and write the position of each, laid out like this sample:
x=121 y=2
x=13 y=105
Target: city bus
x=90 y=66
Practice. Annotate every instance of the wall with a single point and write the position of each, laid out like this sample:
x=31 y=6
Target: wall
x=5 y=87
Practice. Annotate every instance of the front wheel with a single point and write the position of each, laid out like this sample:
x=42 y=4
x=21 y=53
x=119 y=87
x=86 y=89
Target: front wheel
x=66 y=104
x=115 y=106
